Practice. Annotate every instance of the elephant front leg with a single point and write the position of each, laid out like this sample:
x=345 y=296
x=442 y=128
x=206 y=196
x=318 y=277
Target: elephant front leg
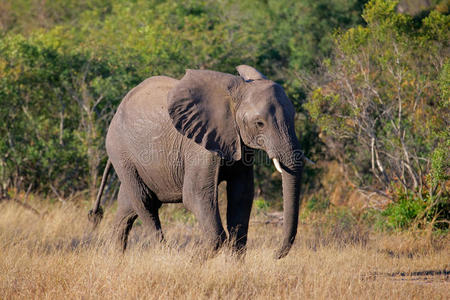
x=200 y=197
x=240 y=192
x=205 y=208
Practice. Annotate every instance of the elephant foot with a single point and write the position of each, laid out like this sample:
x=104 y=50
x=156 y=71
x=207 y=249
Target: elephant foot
x=95 y=217
x=153 y=240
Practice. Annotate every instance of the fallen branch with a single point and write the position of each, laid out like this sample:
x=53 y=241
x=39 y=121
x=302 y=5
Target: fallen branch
x=57 y=194
x=27 y=206
x=23 y=203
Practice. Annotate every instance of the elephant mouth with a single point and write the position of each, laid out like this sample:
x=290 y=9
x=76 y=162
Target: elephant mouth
x=276 y=161
x=297 y=159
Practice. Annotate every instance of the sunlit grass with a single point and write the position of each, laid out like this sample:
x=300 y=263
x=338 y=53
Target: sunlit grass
x=55 y=256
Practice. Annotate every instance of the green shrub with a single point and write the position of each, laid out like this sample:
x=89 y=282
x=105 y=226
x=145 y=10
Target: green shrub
x=261 y=204
x=384 y=111
x=409 y=211
x=378 y=107
x=403 y=213
x=318 y=204
x=96 y=49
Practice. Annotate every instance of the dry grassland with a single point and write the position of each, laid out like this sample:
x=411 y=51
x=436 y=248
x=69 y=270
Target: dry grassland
x=54 y=257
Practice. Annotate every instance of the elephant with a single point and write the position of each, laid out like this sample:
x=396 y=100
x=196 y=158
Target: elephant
x=173 y=141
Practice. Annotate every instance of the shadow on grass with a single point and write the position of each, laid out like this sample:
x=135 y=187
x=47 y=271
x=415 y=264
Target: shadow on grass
x=423 y=276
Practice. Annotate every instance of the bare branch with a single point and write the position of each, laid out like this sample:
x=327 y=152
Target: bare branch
x=56 y=193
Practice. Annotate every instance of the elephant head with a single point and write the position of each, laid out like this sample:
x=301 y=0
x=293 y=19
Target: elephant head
x=222 y=112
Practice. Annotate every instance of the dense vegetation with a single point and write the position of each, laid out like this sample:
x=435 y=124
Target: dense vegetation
x=375 y=83
x=383 y=108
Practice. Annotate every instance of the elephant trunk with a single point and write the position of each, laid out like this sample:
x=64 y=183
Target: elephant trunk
x=292 y=164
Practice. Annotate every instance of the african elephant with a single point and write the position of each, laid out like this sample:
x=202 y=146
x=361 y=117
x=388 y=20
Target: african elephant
x=176 y=140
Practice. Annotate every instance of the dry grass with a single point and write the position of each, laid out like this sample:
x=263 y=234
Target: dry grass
x=42 y=258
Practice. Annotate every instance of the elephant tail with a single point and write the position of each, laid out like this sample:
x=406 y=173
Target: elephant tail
x=96 y=213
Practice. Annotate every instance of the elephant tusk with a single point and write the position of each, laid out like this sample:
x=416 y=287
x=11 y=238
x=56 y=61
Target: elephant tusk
x=309 y=161
x=277 y=165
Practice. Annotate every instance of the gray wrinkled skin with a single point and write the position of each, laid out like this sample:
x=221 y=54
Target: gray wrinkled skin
x=176 y=140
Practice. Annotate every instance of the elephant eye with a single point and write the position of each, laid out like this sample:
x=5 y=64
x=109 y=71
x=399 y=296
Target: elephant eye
x=260 y=124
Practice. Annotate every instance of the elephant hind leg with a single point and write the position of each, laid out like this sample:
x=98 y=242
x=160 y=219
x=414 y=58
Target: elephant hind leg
x=135 y=200
x=148 y=214
x=123 y=229
x=124 y=220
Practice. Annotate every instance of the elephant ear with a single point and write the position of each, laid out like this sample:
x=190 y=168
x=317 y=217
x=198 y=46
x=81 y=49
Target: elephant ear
x=249 y=73
x=202 y=109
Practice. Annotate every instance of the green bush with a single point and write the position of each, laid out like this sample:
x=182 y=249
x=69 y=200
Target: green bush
x=429 y=207
x=410 y=211
x=403 y=213
x=261 y=204
x=383 y=109
x=91 y=49
x=317 y=204
x=54 y=108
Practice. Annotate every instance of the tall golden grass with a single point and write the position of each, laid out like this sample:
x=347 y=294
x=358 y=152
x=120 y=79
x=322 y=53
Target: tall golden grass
x=54 y=256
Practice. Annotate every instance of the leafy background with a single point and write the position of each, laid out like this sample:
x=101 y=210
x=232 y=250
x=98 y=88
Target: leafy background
x=369 y=81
